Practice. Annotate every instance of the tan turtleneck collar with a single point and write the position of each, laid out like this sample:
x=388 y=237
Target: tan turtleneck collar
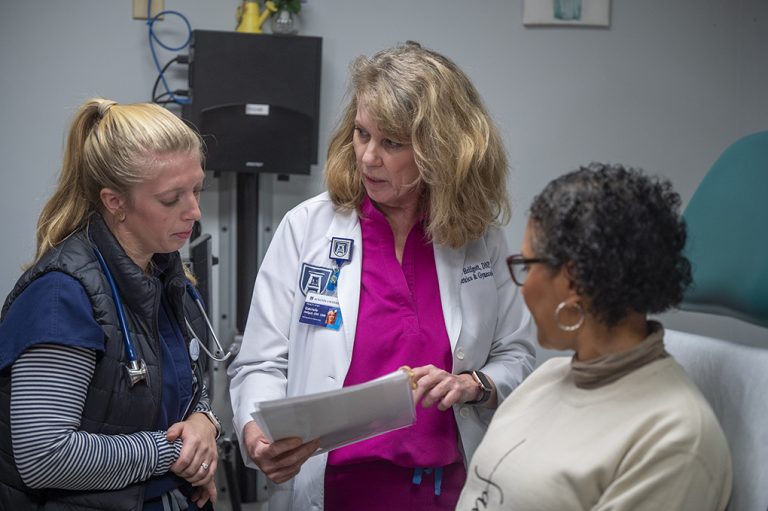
x=608 y=368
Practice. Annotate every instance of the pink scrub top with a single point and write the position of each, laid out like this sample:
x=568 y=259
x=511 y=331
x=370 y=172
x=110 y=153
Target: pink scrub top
x=400 y=322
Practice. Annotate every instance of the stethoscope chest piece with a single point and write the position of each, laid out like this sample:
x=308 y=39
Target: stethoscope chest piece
x=137 y=371
x=194 y=349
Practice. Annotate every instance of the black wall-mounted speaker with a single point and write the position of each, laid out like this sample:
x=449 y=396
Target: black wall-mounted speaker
x=255 y=99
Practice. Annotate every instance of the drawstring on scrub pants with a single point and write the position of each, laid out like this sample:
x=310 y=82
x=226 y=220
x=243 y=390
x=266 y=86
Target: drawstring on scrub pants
x=418 y=472
x=174 y=501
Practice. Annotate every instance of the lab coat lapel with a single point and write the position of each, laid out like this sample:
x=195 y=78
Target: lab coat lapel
x=348 y=226
x=449 y=262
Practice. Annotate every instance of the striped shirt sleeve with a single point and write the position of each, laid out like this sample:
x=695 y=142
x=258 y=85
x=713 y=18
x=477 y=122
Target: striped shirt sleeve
x=49 y=384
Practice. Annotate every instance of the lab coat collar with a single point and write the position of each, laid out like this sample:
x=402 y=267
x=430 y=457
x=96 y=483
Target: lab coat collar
x=449 y=262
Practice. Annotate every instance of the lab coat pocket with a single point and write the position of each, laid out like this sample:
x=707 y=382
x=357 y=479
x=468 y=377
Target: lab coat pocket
x=317 y=360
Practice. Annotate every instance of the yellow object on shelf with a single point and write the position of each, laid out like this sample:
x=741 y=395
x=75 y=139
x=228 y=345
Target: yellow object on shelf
x=249 y=17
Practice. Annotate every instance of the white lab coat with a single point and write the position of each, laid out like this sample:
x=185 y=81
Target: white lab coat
x=488 y=326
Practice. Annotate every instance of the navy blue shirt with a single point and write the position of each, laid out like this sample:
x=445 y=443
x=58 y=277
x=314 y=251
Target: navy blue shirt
x=177 y=371
x=53 y=309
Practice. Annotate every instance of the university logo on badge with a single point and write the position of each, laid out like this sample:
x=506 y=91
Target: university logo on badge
x=313 y=279
x=341 y=249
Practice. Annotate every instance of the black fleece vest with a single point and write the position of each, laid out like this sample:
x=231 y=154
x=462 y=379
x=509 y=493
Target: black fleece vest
x=112 y=406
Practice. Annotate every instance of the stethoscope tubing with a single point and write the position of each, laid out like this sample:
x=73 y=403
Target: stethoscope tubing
x=129 y=351
x=199 y=302
x=133 y=359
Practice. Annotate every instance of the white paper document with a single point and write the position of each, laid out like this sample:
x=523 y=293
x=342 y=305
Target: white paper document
x=341 y=417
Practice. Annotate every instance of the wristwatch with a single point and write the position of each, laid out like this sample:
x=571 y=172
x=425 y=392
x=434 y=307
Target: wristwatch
x=212 y=417
x=483 y=383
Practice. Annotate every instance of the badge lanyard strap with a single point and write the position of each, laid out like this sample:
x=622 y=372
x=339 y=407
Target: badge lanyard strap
x=333 y=280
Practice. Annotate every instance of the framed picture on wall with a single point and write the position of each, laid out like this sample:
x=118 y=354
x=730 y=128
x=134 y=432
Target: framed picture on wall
x=589 y=13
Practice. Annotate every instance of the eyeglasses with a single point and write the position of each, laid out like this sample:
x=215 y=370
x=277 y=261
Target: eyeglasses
x=519 y=267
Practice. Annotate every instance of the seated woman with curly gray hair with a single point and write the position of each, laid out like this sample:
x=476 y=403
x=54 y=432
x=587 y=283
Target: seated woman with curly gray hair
x=619 y=425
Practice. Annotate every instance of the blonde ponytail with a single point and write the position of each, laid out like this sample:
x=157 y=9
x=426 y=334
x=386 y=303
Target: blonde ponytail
x=109 y=145
x=69 y=206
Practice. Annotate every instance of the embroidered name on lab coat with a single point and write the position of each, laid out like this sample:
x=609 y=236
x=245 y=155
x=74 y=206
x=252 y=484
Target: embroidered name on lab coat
x=473 y=272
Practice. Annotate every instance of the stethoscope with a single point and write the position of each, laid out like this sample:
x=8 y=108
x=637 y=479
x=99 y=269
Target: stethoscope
x=137 y=368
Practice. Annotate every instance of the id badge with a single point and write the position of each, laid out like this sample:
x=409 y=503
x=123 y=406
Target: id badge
x=321 y=310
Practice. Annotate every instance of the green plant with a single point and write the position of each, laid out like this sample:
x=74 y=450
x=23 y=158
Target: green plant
x=293 y=6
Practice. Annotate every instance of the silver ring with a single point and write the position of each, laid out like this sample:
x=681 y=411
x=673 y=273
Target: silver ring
x=204 y=466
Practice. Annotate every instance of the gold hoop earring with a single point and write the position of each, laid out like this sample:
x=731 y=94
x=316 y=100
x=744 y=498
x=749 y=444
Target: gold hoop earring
x=120 y=216
x=573 y=327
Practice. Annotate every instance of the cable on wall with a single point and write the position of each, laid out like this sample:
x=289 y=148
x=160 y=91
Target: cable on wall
x=168 y=96
x=165 y=97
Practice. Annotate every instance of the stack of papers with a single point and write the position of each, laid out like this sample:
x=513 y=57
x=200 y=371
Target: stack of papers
x=341 y=417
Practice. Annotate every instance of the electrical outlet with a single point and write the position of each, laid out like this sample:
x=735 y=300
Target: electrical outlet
x=140 y=8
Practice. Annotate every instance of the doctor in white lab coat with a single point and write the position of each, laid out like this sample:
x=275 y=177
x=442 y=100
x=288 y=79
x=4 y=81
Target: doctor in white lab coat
x=488 y=327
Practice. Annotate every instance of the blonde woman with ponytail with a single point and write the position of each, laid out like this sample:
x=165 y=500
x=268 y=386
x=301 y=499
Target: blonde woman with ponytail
x=406 y=245
x=81 y=431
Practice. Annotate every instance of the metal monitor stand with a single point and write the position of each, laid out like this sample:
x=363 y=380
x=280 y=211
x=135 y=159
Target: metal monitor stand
x=245 y=211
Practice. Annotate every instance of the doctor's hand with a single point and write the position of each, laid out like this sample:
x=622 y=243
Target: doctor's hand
x=280 y=460
x=203 y=494
x=199 y=455
x=436 y=386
